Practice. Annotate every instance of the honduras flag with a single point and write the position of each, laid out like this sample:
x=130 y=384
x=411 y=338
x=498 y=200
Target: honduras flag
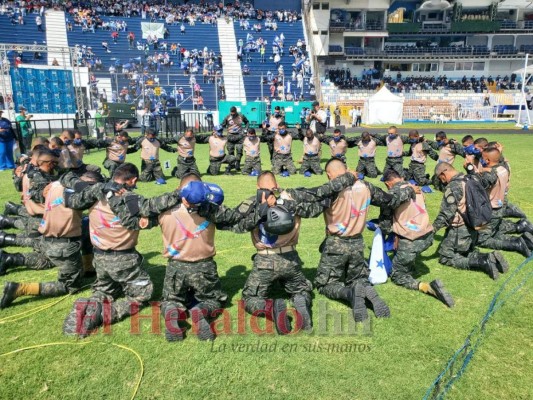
x=379 y=260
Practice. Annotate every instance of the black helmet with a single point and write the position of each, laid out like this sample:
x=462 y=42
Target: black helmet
x=279 y=221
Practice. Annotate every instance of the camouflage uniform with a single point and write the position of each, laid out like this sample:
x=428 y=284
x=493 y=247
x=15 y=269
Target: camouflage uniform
x=27 y=223
x=458 y=246
x=38 y=181
x=120 y=272
x=455 y=148
x=202 y=277
x=403 y=264
x=234 y=147
x=280 y=161
x=493 y=236
x=187 y=165
x=23 y=240
x=342 y=263
x=215 y=163
x=235 y=139
x=417 y=170
x=151 y=169
x=63 y=253
x=108 y=164
x=111 y=166
x=251 y=164
x=285 y=268
x=367 y=167
x=311 y=163
x=37 y=259
x=394 y=163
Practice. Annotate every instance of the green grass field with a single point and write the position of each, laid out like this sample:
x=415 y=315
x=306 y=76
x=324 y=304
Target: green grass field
x=398 y=360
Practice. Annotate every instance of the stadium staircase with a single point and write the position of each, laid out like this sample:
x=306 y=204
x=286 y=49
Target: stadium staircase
x=233 y=78
x=252 y=83
x=56 y=35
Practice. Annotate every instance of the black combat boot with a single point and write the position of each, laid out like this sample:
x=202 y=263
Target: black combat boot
x=516 y=244
x=438 y=290
x=482 y=262
x=381 y=309
x=92 y=319
x=11 y=208
x=302 y=304
x=513 y=213
x=204 y=331
x=6 y=222
x=172 y=315
x=358 y=294
x=280 y=317
x=10 y=260
x=528 y=240
x=499 y=260
x=7 y=239
x=73 y=322
x=523 y=226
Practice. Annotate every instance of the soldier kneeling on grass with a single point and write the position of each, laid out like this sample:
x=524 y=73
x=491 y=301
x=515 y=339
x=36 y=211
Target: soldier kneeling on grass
x=150 y=164
x=410 y=222
x=191 y=281
x=217 y=153
x=61 y=228
x=115 y=219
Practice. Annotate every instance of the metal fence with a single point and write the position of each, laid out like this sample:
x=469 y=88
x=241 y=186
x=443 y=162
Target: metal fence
x=164 y=125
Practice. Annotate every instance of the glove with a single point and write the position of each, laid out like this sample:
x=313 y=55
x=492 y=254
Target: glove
x=372 y=225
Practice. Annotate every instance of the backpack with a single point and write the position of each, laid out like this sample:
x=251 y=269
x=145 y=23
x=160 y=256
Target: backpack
x=478 y=208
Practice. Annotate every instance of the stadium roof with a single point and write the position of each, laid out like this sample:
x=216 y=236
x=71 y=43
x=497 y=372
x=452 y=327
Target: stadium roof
x=520 y=4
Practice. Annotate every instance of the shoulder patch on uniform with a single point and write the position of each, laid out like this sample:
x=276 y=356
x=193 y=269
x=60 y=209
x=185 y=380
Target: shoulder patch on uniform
x=450 y=199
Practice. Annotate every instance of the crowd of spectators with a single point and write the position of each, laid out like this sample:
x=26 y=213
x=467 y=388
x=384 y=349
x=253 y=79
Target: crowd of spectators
x=372 y=79
x=158 y=55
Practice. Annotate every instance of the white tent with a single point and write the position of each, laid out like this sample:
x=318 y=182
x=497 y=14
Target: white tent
x=384 y=108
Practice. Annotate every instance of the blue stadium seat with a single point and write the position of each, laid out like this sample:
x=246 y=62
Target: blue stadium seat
x=196 y=37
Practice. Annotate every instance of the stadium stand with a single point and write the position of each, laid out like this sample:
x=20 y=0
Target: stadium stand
x=265 y=77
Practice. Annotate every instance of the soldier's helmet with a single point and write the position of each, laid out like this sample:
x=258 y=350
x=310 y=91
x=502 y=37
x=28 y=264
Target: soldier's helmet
x=279 y=221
